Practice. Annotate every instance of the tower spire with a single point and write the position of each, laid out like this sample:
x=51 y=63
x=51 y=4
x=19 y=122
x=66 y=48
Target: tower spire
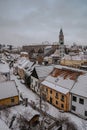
x=61 y=43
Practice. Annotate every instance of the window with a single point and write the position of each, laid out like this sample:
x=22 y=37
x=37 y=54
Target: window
x=62 y=98
x=46 y=89
x=74 y=98
x=73 y=108
x=56 y=102
x=51 y=91
x=85 y=113
x=56 y=95
x=50 y=100
x=12 y=99
x=81 y=101
x=62 y=105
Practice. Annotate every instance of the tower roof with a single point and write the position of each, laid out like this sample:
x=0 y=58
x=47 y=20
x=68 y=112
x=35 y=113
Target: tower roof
x=61 y=32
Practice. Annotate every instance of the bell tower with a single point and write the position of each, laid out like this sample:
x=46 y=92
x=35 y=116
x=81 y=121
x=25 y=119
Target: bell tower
x=61 y=43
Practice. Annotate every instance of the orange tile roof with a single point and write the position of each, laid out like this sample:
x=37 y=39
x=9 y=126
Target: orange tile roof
x=66 y=73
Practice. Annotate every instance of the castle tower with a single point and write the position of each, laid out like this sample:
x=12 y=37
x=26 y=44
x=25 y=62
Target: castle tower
x=61 y=43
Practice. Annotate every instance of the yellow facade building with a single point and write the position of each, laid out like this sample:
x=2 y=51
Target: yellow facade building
x=56 y=87
x=9 y=95
x=73 y=61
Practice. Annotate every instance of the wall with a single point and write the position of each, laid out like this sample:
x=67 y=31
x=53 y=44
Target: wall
x=33 y=85
x=7 y=101
x=21 y=73
x=65 y=103
x=80 y=108
x=74 y=63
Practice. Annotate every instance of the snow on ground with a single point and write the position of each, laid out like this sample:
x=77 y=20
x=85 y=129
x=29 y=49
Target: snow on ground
x=3 y=126
x=81 y=123
x=24 y=90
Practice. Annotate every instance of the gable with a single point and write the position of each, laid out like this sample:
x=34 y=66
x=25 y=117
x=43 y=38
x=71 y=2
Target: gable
x=34 y=74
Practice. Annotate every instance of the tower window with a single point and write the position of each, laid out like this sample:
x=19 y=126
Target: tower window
x=61 y=43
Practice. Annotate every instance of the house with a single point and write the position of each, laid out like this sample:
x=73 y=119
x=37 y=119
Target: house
x=26 y=66
x=24 y=54
x=18 y=63
x=74 y=60
x=53 y=58
x=79 y=96
x=56 y=87
x=30 y=116
x=39 y=73
x=9 y=95
x=28 y=72
x=4 y=69
x=47 y=60
x=56 y=57
x=21 y=68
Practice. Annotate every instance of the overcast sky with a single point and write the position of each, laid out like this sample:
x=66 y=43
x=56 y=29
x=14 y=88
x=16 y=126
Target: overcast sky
x=23 y=22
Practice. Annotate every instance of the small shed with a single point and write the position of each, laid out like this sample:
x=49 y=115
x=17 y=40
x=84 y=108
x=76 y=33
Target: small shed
x=32 y=118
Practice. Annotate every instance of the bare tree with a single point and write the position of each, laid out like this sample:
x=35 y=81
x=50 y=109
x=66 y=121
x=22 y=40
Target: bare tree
x=6 y=112
x=66 y=123
x=23 y=123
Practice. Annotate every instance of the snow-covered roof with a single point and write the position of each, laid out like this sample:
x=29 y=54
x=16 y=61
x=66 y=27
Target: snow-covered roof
x=8 y=89
x=29 y=65
x=25 y=64
x=30 y=69
x=3 y=126
x=43 y=71
x=63 y=79
x=48 y=47
x=56 y=53
x=26 y=53
x=69 y=68
x=21 y=61
x=4 y=68
x=28 y=116
x=80 y=87
x=55 y=87
x=60 y=81
x=75 y=57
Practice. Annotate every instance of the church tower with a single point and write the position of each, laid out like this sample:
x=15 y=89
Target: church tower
x=61 y=43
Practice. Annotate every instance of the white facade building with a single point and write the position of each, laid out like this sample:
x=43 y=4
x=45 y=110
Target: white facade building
x=79 y=97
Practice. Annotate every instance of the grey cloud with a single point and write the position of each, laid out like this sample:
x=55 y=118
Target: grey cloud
x=38 y=20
